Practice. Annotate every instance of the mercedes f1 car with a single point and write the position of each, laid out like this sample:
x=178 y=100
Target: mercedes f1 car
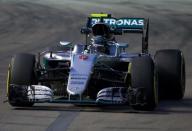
x=100 y=71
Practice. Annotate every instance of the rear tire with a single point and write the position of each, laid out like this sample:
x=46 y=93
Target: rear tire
x=170 y=65
x=21 y=74
x=143 y=75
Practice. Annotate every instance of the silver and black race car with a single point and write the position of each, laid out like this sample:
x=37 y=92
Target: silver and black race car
x=101 y=71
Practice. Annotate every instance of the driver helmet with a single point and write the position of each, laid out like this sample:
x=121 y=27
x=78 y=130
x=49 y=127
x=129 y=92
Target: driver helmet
x=99 y=43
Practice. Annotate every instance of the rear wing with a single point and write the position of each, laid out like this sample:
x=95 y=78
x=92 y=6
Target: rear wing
x=124 y=25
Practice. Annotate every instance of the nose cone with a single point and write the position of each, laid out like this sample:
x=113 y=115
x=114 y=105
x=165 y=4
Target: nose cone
x=80 y=73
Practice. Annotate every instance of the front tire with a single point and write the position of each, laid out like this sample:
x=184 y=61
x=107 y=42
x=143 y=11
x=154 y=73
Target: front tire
x=143 y=76
x=20 y=75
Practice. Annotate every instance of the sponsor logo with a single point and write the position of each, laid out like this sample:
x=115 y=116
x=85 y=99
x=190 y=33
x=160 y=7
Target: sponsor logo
x=77 y=82
x=83 y=57
x=121 y=23
x=74 y=88
x=78 y=78
x=84 y=75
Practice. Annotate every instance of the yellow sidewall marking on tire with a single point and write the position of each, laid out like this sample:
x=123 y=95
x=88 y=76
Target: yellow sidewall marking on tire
x=8 y=80
x=129 y=68
x=129 y=72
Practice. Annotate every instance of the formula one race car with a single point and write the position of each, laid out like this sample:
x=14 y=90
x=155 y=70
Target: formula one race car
x=99 y=71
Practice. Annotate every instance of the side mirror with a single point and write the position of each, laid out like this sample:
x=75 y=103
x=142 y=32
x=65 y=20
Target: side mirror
x=65 y=43
x=85 y=30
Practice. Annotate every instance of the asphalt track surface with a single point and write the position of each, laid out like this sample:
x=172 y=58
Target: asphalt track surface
x=31 y=26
